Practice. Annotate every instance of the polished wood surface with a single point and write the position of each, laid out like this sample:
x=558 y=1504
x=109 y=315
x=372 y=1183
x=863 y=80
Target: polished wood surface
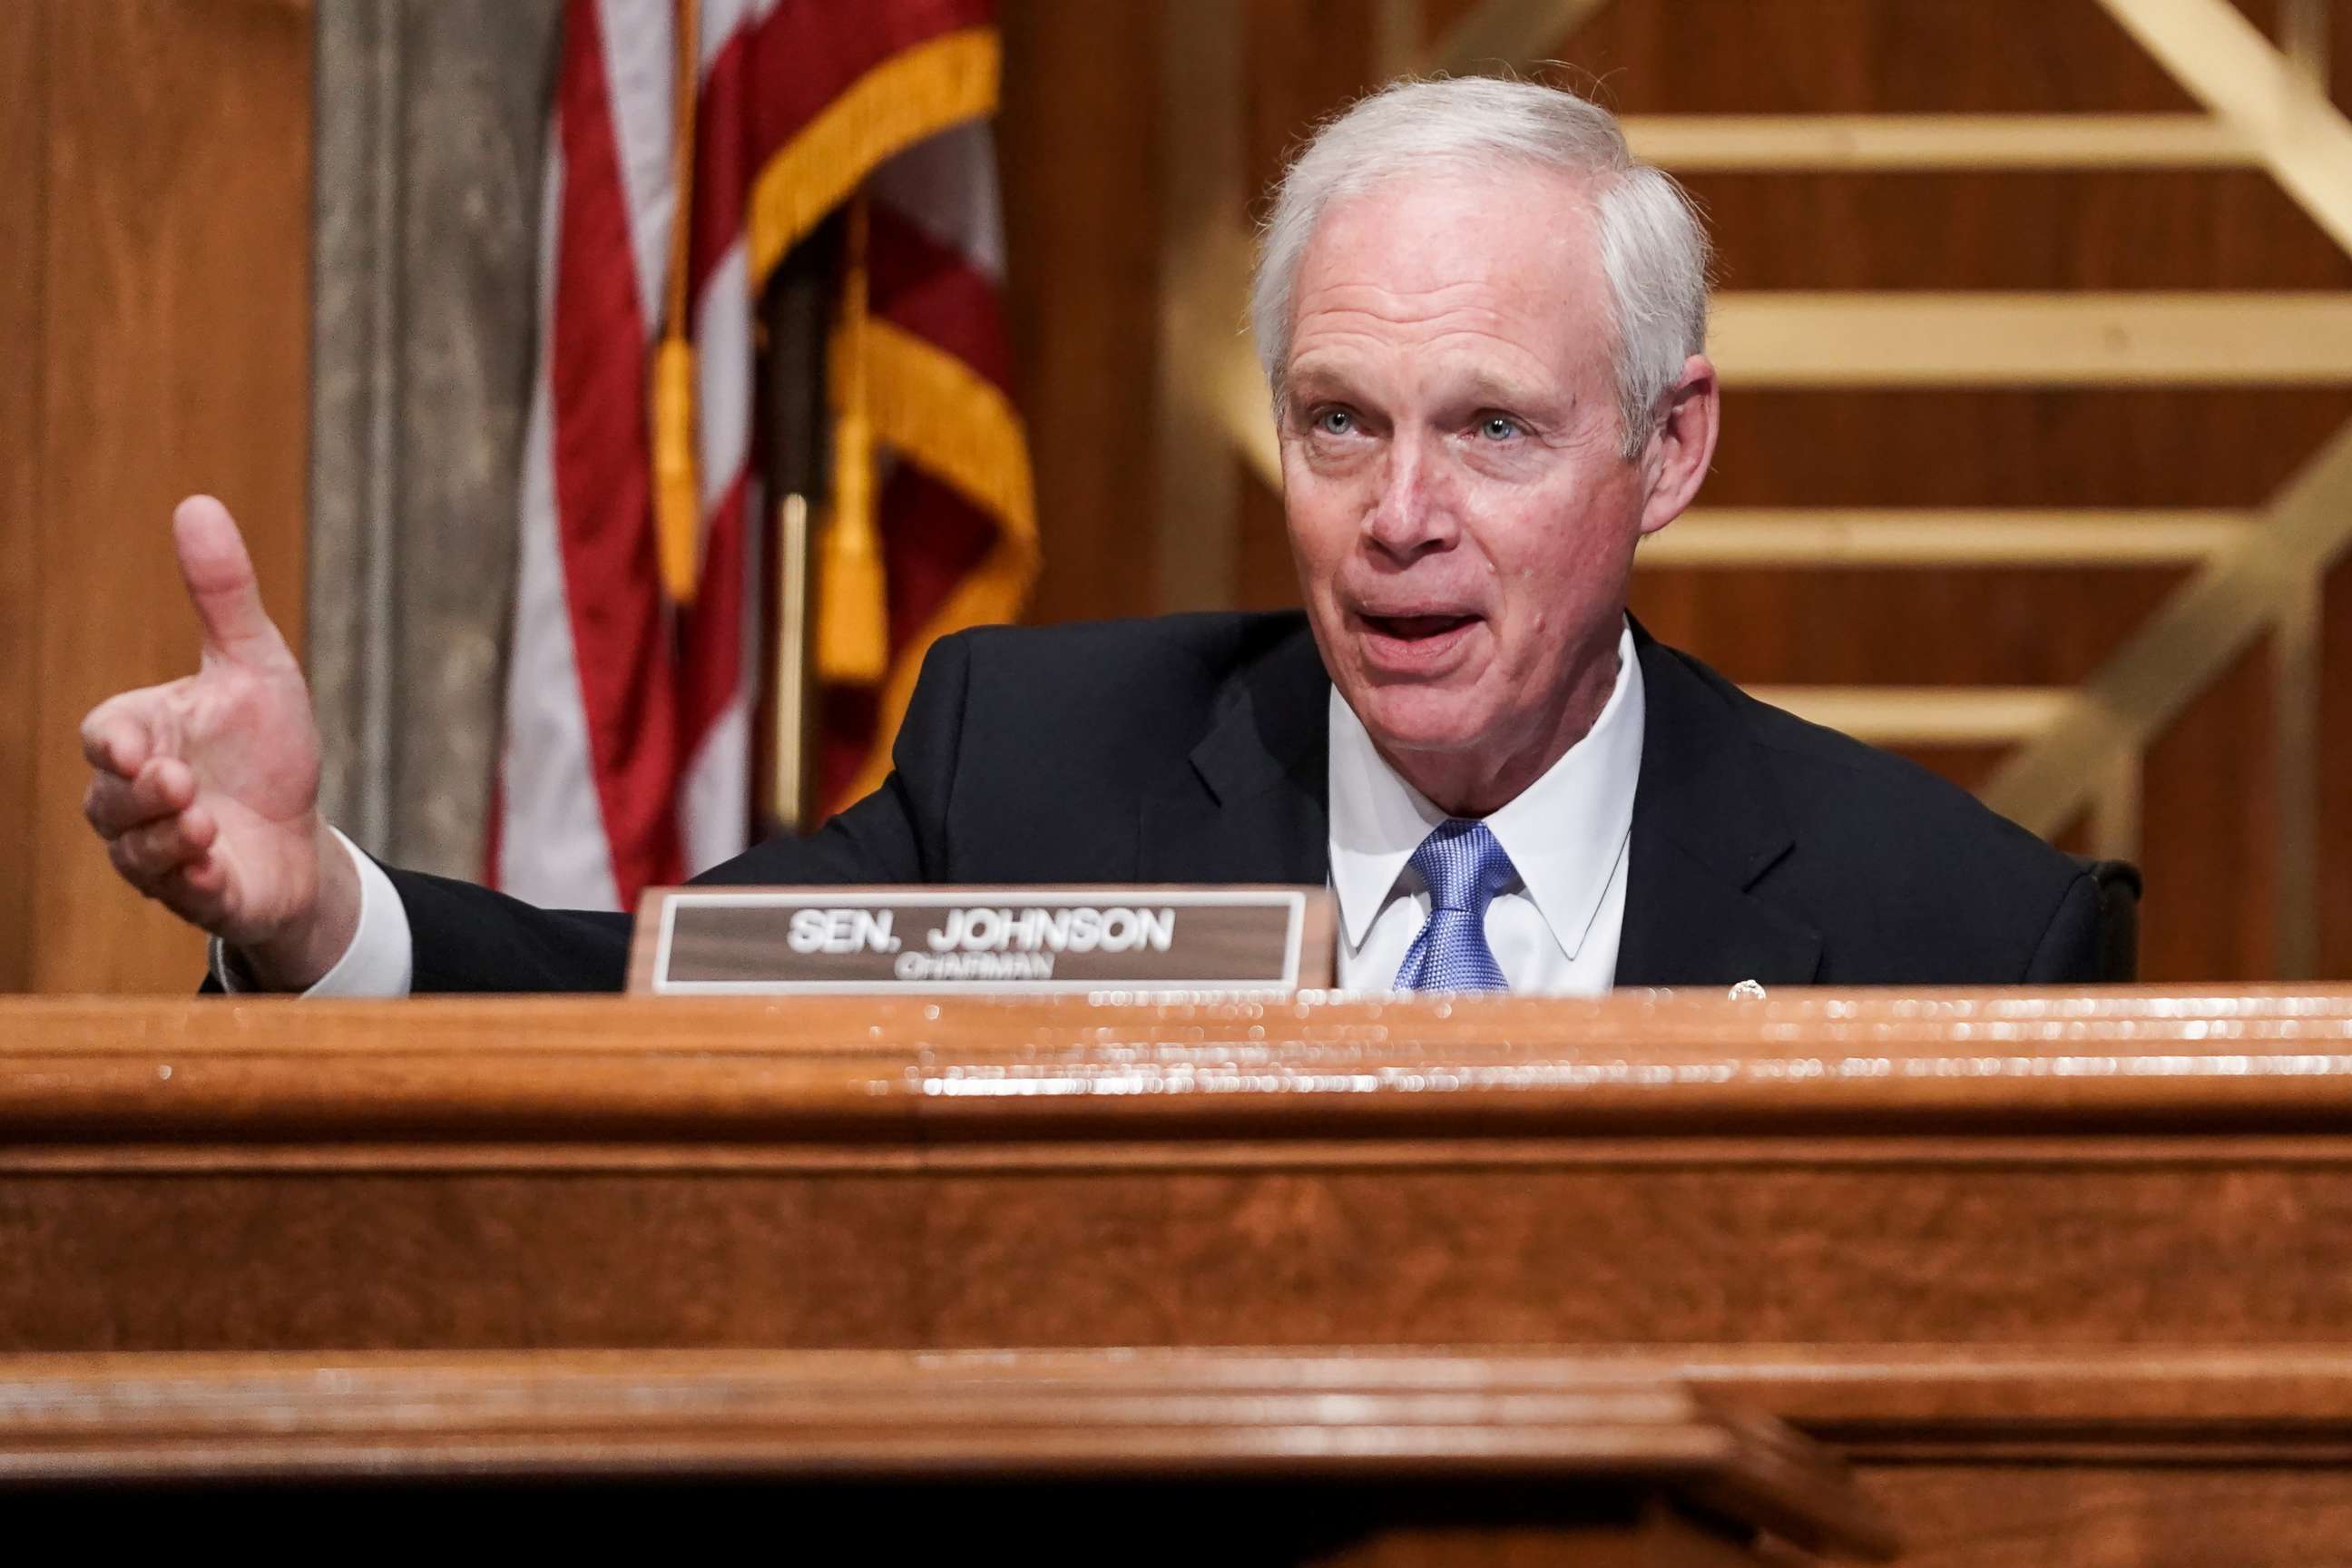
x=153 y=291
x=1486 y=1410
x=2088 y=1240
x=1396 y=1419
x=1422 y=1462
x=1873 y=1066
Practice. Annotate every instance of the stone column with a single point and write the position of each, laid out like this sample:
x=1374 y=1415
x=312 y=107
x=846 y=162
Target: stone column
x=431 y=125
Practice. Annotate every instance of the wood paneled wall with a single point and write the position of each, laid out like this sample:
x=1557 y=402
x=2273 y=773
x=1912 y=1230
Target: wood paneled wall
x=23 y=186
x=1081 y=188
x=155 y=246
x=1085 y=316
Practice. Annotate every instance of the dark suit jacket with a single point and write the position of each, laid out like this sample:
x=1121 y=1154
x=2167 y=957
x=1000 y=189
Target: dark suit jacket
x=1190 y=749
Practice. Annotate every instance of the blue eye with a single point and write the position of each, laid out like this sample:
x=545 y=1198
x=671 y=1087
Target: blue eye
x=1500 y=427
x=1334 y=422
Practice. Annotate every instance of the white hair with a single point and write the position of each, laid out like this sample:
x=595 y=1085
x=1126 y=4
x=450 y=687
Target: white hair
x=1653 y=250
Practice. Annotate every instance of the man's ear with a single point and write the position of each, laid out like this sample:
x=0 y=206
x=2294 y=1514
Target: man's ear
x=1682 y=446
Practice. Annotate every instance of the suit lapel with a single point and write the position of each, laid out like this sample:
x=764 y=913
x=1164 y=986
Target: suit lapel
x=1707 y=821
x=1707 y=826
x=1251 y=808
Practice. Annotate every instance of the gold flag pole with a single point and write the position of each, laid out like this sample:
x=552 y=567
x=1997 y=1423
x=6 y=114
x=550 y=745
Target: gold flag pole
x=831 y=619
x=791 y=702
x=797 y=325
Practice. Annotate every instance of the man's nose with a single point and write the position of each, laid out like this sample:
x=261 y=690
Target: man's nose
x=1413 y=512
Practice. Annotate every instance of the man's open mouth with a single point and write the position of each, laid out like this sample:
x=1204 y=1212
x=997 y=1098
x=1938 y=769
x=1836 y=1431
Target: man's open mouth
x=1417 y=628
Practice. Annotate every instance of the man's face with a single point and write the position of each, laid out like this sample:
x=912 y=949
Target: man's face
x=1463 y=523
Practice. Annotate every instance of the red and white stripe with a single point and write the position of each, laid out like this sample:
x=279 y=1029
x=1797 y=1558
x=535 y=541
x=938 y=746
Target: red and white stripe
x=627 y=759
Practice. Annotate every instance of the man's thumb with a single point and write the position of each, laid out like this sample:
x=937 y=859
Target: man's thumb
x=221 y=584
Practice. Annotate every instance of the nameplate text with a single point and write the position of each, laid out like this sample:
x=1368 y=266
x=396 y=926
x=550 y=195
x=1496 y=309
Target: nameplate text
x=779 y=941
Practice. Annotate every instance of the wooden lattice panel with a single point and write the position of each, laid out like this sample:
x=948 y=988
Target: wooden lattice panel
x=2070 y=755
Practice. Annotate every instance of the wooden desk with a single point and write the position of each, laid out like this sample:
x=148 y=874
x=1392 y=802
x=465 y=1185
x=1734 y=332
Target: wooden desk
x=2069 y=1277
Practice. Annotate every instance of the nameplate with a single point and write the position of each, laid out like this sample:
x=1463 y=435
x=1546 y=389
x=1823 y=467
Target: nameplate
x=737 y=942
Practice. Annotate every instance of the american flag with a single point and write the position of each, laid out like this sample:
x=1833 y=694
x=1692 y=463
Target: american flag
x=634 y=666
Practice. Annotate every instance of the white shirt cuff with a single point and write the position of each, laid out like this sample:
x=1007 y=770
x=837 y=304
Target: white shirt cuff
x=381 y=960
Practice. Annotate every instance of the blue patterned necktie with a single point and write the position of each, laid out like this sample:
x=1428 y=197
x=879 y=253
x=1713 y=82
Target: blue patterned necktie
x=1464 y=867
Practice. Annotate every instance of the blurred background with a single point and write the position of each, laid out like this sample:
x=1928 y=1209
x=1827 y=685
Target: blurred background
x=2037 y=462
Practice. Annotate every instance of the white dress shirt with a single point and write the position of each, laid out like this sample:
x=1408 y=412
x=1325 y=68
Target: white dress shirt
x=1554 y=929
x=381 y=960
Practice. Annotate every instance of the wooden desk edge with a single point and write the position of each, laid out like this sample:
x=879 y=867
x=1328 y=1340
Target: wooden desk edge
x=1422 y=1415
x=889 y=1070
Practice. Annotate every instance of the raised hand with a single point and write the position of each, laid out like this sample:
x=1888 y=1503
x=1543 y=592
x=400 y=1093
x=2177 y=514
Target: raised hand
x=206 y=788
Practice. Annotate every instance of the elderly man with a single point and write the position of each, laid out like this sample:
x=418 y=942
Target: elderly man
x=1483 y=326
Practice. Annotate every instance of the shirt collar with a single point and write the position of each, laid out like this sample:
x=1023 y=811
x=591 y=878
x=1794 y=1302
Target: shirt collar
x=1563 y=833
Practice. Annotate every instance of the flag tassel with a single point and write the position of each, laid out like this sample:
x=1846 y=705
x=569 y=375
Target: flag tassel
x=677 y=495
x=852 y=619
x=678 y=501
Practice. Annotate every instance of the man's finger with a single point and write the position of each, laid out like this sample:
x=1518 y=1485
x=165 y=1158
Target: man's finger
x=197 y=892
x=116 y=736
x=115 y=805
x=221 y=584
x=147 y=854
